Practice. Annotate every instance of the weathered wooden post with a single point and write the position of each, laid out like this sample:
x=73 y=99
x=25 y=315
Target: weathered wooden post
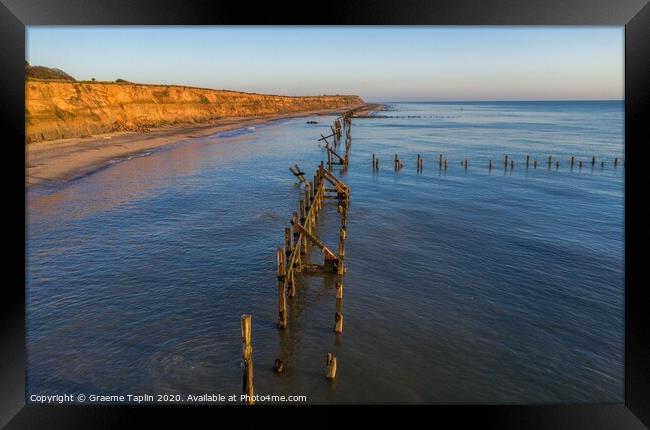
x=550 y=160
x=339 y=290
x=505 y=161
x=246 y=334
x=580 y=164
x=602 y=163
x=314 y=198
x=287 y=240
x=466 y=164
x=291 y=280
x=593 y=161
x=301 y=206
x=330 y=361
x=338 y=322
x=340 y=267
x=417 y=164
x=396 y=162
x=373 y=161
x=278 y=366
x=282 y=304
x=282 y=270
x=573 y=161
x=304 y=221
x=527 y=160
x=289 y=245
x=297 y=265
x=282 y=301
x=557 y=164
x=307 y=200
x=440 y=161
x=342 y=242
x=512 y=164
x=446 y=163
x=615 y=162
x=535 y=164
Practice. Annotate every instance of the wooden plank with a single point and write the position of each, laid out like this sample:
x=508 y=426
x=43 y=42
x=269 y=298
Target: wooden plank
x=298 y=174
x=341 y=159
x=326 y=251
x=335 y=181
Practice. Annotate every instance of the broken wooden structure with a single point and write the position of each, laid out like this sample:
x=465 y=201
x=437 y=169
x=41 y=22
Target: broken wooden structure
x=301 y=234
x=508 y=162
x=298 y=173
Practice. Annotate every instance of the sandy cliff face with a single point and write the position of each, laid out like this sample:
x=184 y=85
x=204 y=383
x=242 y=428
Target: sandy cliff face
x=58 y=109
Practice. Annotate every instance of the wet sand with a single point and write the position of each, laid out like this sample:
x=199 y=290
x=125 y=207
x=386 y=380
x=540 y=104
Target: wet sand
x=66 y=159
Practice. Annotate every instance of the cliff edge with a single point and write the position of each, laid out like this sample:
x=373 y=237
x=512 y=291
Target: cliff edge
x=57 y=109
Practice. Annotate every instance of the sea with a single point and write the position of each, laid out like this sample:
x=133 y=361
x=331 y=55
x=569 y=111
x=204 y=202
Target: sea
x=464 y=284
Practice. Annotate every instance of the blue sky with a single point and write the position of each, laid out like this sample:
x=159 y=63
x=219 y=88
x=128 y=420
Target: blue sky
x=378 y=63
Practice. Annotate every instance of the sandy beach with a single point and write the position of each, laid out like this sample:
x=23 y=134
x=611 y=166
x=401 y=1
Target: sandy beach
x=65 y=159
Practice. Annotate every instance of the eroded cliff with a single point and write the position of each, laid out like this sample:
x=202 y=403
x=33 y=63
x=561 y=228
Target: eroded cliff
x=63 y=109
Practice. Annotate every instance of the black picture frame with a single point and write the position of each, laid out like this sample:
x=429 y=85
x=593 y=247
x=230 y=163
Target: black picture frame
x=15 y=15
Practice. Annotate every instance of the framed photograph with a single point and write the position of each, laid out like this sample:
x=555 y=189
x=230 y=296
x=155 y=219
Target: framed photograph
x=246 y=210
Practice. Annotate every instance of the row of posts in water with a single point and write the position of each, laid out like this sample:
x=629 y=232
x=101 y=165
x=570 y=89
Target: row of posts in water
x=291 y=258
x=443 y=163
x=334 y=157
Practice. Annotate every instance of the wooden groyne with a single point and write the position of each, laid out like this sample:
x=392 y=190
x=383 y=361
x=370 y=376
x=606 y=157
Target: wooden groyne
x=508 y=163
x=300 y=234
x=333 y=157
x=292 y=259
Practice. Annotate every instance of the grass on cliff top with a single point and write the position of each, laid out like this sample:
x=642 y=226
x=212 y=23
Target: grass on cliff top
x=41 y=72
x=52 y=74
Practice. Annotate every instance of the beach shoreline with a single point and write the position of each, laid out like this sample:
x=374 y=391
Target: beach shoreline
x=67 y=159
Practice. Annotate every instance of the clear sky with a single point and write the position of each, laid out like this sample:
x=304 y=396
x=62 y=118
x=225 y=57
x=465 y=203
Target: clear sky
x=377 y=63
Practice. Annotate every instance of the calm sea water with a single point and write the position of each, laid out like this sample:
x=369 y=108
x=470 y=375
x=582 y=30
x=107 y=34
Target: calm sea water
x=471 y=286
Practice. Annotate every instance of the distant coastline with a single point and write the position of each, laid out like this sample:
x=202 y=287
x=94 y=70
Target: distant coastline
x=66 y=159
x=74 y=127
